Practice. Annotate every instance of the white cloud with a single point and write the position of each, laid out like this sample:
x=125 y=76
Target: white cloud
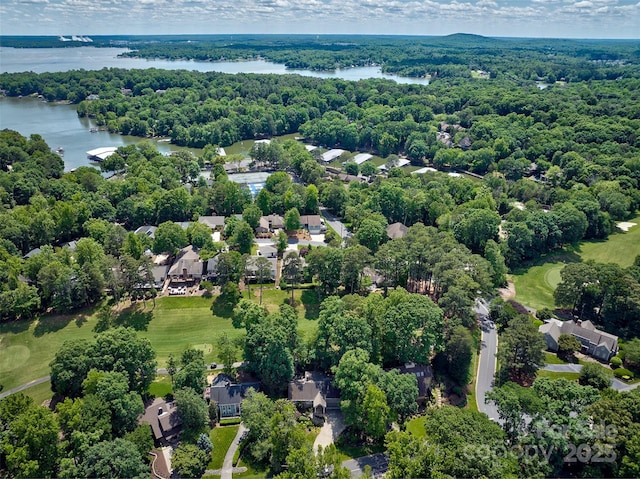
x=615 y=18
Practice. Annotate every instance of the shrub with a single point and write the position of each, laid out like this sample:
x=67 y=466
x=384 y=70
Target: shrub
x=616 y=362
x=544 y=313
x=232 y=421
x=622 y=373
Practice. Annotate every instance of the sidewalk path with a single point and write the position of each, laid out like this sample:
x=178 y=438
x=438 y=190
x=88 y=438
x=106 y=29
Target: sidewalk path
x=227 y=465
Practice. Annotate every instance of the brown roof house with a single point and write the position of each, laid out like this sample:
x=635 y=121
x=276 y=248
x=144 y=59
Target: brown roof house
x=314 y=224
x=164 y=420
x=424 y=376
x=314 y=391
x=270 y=223
x=188 y=266
x=396 y=230
x=594 y=342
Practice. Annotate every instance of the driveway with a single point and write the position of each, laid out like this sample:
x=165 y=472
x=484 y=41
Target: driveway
x=379 y=464
x=333 y=426
x=335 y=223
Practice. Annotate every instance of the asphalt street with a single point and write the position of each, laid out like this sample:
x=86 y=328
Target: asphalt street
x=487 y=360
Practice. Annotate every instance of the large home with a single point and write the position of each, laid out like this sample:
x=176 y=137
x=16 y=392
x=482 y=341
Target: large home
x=424 y=376
x=164 y=420
x=188 y=266
x=214 y=223
x=147 y=230
x=593 y=342
x=270 y=223
x=314 y=391
x=252 y=270
x=314 y=224
x=228 y=396
x=396 y=230
x=159 y=275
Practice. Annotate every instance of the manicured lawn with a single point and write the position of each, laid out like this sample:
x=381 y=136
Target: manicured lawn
x=39 y=393
x=471 y=387
x=620 y=248
x=536 y=282
x=221 y=437
x=176 y=323
x=161 y=386
x=416 y=427
x=555 y=375
x=552 y=358
x=535 y=285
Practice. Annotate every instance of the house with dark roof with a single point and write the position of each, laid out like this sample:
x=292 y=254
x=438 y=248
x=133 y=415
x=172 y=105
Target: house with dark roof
x=593 y=341
x=188 y=266
x=252 y=270
x=424 y=376
x=396 y=230
x=164 y=420
x=228 y=395
x=314 y=391
x=147 y=230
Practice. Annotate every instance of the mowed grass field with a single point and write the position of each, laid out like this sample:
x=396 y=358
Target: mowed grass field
x=536 y=283
x=176 y=323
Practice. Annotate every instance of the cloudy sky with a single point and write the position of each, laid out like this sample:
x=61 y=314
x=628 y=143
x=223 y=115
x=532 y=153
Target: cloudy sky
x=516 y=18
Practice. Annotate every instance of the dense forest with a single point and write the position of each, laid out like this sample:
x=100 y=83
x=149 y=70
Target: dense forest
x=448 y=56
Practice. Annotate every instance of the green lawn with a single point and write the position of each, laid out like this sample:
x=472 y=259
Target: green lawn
x=552 y=358
x=416 y=427
x=27 y=348
x=556 y=375
x=221 y=437
x=161 y=386
x=536 y=282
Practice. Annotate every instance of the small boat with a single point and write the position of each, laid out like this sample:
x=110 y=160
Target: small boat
x=59 y=150
x=93 y=130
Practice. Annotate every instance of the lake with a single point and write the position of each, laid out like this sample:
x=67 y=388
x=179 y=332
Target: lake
x=59 y=124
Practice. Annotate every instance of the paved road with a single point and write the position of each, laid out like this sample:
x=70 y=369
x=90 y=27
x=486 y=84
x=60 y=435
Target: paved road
x=335 y=223
x=22 y=387
x=616 y=384
x=487 y=361
x=379 y=464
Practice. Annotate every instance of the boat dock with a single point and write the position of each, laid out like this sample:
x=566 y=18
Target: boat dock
x=101 y=154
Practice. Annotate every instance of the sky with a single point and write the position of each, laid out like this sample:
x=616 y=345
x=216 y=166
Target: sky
x=506 y=18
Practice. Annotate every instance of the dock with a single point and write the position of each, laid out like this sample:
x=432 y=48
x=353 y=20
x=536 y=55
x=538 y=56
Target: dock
x=101 y=154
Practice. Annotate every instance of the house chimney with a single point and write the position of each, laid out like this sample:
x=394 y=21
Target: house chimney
x=159 y=411
x=579 y=323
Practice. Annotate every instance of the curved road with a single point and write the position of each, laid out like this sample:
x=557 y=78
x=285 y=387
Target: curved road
x=486 y=361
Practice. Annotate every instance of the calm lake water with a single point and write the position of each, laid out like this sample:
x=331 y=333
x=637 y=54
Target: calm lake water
x=60 y=126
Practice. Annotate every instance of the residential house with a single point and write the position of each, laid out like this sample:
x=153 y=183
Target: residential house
x=228 y=396
x=396 y=230
x=314 y=391
x=594 y=342
x=267 y=251
x=160 y=274
x=314 y=224
x=270 y=223
x=183 y=224
x=164 y=420
x=188 y=266
x=211 y=268
x=31 y=253
x=147 y=230
x=214 y=223
x=424 y=376
x=252 y=270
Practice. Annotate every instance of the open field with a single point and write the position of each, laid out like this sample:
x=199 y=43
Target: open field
x=27 y=347
x=536 y=283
